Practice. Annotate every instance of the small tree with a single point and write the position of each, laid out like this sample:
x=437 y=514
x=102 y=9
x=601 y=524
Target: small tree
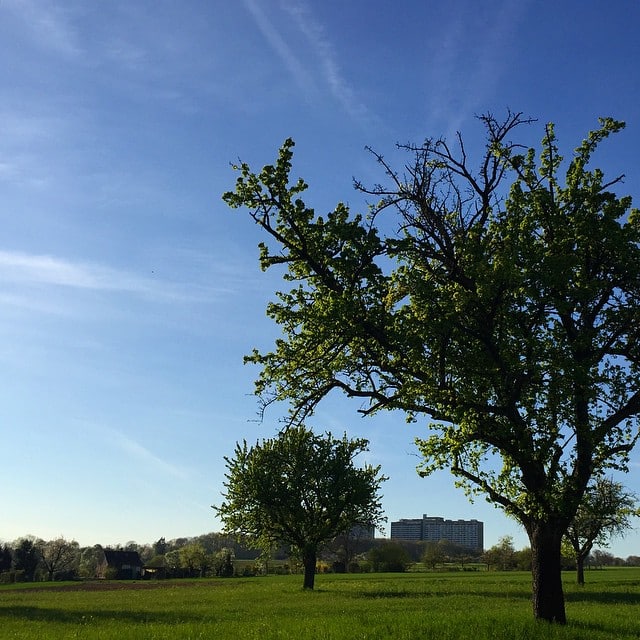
x=606 y=511
x=194 y=558
x=433 y=555
x=601 y=558
x=6 y=558
x=507 y=553
x=173 y=562
x=522 y=559
x=346 y=546
x=223 y=562
x=389 y=556
x=454 y=552
x=90 y=559
x=160 y=547
x=300 y=489
x=501 y=555
x=26 y=557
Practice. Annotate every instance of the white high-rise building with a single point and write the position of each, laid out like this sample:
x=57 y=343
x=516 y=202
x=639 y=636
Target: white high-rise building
x=465 y=533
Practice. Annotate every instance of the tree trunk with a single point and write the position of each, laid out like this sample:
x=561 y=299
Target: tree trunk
x=581 y=555
x=546 y=569
x=580 y=569
x=309 y=558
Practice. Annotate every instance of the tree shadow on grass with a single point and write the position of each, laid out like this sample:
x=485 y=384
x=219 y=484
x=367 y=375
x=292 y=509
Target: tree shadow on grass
x=597 y=597
x=510 y=594
x=48 y=614
x=604 y=597
x=607 y=629
x=390 y=595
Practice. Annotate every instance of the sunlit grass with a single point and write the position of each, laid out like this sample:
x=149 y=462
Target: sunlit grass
x=445 y=606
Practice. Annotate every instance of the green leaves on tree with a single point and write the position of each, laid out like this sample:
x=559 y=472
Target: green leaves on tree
x=498 y=304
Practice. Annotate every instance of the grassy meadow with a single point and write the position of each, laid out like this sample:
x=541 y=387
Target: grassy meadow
x=445 y=606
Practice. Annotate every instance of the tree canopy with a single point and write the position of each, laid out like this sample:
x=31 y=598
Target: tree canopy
x=300 y=489
x=57 y=555
x=498 y=304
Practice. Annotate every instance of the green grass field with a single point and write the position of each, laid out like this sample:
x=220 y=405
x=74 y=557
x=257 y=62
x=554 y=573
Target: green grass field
x=413 y=606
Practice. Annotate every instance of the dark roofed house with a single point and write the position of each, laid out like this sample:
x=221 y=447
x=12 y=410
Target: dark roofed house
x=122 y=565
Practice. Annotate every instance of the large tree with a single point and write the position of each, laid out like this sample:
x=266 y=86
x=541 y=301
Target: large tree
x=301 y=489
x=58 y=555
x=500 y=304
x=605 y=511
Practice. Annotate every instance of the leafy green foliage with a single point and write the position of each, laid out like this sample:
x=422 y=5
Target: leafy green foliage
x=501 y=556
x=507 y=316
x=194 y=558
x=58 y=556
x=606 y=511
x=223 y=563
x=389 y=557
x=300 y=489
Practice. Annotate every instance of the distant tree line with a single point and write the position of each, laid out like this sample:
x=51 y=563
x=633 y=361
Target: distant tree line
x=504 y=557
x=32 y=559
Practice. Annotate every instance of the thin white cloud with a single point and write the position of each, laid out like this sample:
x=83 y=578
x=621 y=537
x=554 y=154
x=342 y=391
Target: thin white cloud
x=28 y=269
x=325 y=52
x=28 y=135
x=47 y=23
x=143 y=455
x=322 y=67
x=280 y=46
x=20 y=300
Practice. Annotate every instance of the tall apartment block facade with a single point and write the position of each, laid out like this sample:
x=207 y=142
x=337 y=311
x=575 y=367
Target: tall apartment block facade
x=466 y=533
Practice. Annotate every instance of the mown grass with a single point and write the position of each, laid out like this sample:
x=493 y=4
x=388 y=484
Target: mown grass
x=480 y=606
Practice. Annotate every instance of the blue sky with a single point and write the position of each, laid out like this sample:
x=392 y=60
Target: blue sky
x=129 y=292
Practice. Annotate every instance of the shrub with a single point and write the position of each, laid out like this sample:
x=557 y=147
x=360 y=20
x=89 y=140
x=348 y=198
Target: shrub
x=389 y=557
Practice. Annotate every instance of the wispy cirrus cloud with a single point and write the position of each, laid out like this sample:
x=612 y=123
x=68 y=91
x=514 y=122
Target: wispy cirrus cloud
x=291 y=61
x=48 y=23
x=30 y=269
x=316 y=72
x=143 y=455
x=327 y=57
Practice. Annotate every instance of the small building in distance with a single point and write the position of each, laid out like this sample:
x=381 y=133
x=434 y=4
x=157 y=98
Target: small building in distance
x=465 y=533
x=122 y=565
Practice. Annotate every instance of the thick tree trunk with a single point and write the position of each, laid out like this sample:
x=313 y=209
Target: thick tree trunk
x=309 y=561
x=546 y=569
